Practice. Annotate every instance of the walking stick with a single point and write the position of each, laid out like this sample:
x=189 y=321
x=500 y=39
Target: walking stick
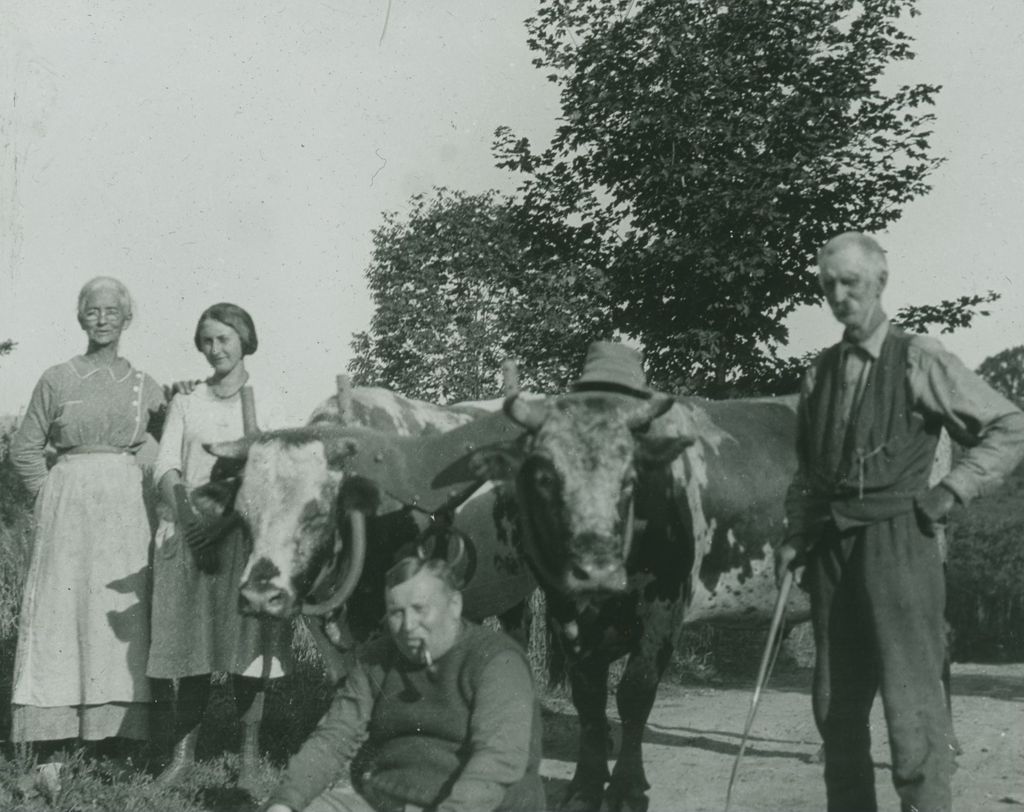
x=771 y=650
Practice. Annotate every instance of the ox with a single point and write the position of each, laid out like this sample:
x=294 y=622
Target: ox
x=640 y=516
x=328 y=507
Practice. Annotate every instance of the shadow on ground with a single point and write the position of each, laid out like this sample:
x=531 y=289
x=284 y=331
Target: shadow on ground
x=1009 y=686
x=561 y=730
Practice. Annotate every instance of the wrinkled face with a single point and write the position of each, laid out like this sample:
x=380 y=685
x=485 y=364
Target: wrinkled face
x=287 y=499
x=102 y=318
x=220 y=345
x=423 y=616
x=853 y=287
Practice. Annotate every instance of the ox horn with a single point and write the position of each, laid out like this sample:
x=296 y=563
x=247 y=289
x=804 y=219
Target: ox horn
x=230 y=450
x=529 y=415
x=650 y=411
x=357 y=557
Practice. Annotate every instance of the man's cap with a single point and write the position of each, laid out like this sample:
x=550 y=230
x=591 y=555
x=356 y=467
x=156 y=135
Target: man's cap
x=613 y=367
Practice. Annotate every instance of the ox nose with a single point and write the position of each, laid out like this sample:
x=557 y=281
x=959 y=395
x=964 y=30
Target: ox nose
x=264 y=599
x=591 y=576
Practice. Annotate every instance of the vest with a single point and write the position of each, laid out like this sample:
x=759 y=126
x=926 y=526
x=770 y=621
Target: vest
x=870 y=468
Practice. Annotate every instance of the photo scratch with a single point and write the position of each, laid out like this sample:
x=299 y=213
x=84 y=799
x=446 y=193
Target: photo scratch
x=384 y=162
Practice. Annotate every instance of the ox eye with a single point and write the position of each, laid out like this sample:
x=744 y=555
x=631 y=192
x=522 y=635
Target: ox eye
x=312 y=515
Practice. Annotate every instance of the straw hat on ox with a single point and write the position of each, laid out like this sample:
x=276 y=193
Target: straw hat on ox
x=613 y=367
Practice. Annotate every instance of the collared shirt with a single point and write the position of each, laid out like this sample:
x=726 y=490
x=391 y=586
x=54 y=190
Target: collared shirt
x=859 y=358
x=988 y=425
x=78 y=404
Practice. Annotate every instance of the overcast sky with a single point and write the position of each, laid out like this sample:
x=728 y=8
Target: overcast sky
x=243 y=151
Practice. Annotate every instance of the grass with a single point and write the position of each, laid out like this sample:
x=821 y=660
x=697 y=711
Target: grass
x=294 y=704
x=986 y=608
x=100 y=784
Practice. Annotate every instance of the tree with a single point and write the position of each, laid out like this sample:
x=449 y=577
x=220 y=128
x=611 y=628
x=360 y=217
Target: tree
x=948 y=315
x=1004 y=371
x=707 y=149
x=7 y=347
x=782 y=376
x=457 y=290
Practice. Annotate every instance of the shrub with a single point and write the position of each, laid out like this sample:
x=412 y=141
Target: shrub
x=986 y=576
x=16 y=531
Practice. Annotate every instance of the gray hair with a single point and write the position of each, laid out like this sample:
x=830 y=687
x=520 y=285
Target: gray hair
x=868 y=247
x=124 y=298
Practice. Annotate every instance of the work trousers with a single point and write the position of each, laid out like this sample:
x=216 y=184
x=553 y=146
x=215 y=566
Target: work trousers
x=877 y=603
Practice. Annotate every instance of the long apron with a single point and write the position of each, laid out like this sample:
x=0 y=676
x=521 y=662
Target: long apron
x=197 y=628
x=83 y=639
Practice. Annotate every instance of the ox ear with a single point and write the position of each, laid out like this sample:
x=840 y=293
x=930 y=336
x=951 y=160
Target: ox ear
x=529 y=414
x=661 y=450
x=232 y=450
x=650 y=411
x=498 y=463
x=338 y=450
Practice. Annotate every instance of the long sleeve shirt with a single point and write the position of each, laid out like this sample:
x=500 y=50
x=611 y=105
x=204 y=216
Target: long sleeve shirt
x=473 y=727
x=988 y=425
x=193 y=421
x=78 y=404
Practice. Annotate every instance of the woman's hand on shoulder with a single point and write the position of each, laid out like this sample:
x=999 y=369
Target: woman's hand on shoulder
x=186 y=387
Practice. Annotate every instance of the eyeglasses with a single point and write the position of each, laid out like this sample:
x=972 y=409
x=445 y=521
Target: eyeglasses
x=109 y=313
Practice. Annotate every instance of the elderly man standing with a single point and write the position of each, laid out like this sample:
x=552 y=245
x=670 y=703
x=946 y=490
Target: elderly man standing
x=863 y=519
x=440 y=714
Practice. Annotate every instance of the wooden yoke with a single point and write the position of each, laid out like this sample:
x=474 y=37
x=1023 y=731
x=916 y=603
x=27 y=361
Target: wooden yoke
x=509 y=378
x=249 y=426
x=343 y=384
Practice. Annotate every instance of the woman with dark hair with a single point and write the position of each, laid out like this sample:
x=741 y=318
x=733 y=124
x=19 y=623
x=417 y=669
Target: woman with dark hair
x=197 y=628
x=80 y=667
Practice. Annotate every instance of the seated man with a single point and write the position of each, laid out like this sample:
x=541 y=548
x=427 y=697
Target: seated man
x=440 y=714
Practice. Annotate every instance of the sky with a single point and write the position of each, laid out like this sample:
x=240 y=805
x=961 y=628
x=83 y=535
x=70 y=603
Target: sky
x=244 y=151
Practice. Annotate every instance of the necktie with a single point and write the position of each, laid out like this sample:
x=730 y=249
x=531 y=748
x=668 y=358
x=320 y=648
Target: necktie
x=850 y=374
x=854 y=365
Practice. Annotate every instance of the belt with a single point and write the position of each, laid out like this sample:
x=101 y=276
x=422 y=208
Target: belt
x=93 y=449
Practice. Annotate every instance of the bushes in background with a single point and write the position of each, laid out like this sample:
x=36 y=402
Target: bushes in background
x=986 y=576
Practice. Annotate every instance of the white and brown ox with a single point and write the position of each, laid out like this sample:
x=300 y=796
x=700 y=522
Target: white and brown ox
x=640 y=516
x=328 y=507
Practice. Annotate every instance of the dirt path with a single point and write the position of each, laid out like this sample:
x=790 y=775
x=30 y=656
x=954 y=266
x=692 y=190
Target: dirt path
x=694 y=733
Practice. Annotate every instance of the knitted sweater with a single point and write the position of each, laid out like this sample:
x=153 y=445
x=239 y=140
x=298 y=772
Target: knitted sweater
x=465 y=737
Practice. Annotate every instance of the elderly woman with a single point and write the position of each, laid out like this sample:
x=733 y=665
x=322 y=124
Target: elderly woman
x=197 y=628
x=80 y=667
